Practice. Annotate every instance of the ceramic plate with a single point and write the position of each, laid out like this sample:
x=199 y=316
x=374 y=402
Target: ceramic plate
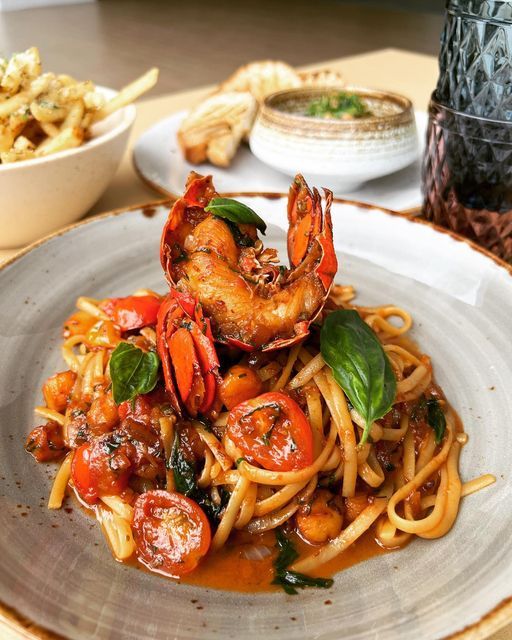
x=55 y=568
x=159 y=162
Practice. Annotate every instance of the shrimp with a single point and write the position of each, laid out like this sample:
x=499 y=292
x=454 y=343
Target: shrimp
x=321 y=519
x=251 y=301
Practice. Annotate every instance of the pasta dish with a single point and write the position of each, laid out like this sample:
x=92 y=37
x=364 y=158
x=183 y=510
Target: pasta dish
x=253 y=413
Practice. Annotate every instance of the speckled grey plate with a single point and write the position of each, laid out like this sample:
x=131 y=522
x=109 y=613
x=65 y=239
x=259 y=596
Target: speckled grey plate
x=55 y=570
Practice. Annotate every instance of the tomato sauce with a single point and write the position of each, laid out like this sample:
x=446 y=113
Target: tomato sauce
x=229 y=570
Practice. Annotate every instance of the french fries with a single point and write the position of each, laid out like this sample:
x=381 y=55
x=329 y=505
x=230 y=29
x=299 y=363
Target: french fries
x=42 y=113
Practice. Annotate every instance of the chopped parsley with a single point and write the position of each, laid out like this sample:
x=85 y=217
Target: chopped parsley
x=341 y=105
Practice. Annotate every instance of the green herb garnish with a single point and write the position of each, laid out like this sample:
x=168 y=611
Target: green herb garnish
x=359 y=365
x=235 y=211
x=111 y=447
x=184 y=472
x=272 y=418
x=48 y=104
x=418 y=411
x=338 y=105
x=242 y=239
x=290 y=581
x=132 y=371
x=436 y=418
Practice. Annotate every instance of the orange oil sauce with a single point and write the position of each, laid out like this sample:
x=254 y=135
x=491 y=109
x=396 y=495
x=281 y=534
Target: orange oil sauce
x=228 y=568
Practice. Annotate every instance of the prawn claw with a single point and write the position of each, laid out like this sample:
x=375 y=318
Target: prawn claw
x=308 y=225
x=189 y=360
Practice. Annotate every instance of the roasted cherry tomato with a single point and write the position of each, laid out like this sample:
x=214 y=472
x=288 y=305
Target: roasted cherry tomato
x=273 y=431
x=171 y=532
x=143 y=447
x=46 y=443
x=57 y=389
x=138 y=409
x=100 y=468
x=132 y=312
x=240 y=383
x=82 y=475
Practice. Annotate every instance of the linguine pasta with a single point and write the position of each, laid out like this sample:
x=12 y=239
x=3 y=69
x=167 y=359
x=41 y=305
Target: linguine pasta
x=400 y=483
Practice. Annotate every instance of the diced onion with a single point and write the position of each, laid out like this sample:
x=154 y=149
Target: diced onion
x=256 y=552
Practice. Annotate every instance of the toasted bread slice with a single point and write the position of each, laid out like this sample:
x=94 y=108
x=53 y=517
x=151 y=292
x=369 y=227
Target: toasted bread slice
x=322 y=78
x=262 y=78
x=213 y=130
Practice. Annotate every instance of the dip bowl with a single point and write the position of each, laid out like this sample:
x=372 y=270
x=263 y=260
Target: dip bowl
x=339 y=152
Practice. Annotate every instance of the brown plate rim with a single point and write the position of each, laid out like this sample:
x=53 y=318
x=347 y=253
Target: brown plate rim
x=489 y=623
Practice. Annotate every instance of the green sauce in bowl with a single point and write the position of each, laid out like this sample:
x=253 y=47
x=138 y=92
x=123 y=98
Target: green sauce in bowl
x=342 y=105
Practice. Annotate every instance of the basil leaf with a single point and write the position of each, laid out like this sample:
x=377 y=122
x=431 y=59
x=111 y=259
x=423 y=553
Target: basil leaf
x=291 y=580
x=436 y=418
x=241 y=239
x=212 y=510
x=235 y=212
x=133 y=371
x=287 y=552
x=184 y=472
x=359 y=365
x=419 y=409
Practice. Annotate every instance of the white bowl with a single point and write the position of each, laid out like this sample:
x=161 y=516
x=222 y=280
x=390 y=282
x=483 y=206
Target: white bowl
x=41 y=195
x=339 y=153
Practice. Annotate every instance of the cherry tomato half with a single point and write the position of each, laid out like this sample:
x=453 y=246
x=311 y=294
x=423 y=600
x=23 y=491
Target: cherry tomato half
x=132 y=312
x=138 y=409
x=171 y=532
x=273 y=431
x=100 y=468
x=82 y=476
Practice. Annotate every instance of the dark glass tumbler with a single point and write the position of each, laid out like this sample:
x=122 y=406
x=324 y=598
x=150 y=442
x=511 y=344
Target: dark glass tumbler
x=467 y=177
x=475 y=61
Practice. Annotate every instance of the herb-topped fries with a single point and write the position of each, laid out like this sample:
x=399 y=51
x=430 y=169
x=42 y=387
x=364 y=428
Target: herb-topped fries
x=42 y=113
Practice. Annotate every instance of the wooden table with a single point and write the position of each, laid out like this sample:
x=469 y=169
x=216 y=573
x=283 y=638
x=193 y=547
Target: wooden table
x=411 y=74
